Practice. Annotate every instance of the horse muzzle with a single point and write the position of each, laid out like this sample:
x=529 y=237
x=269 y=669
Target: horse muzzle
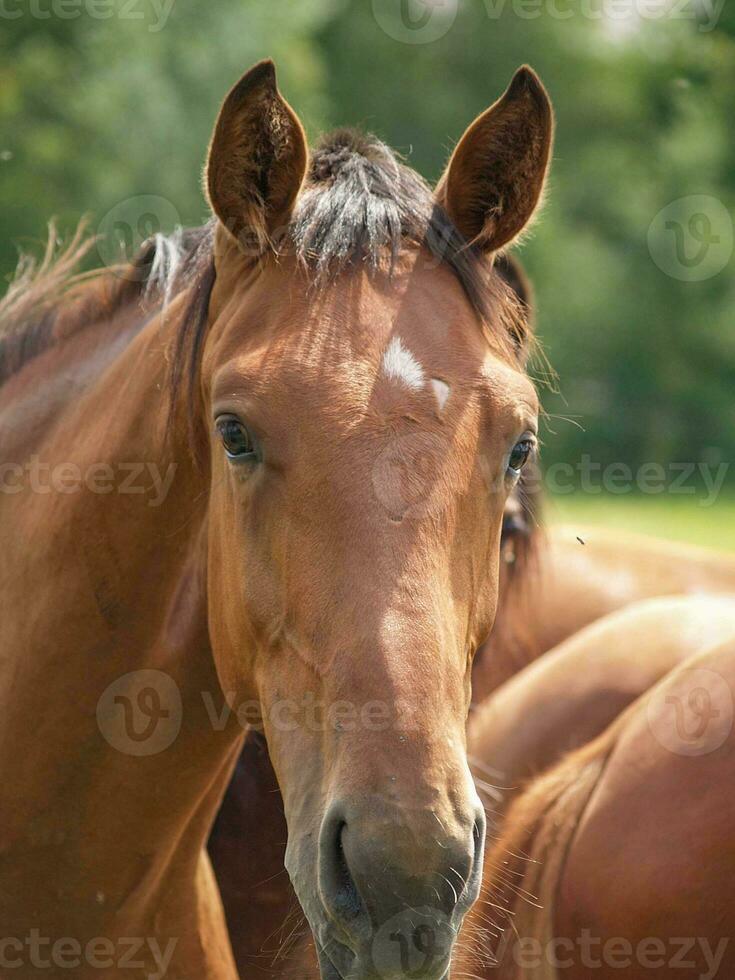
x=394 y=892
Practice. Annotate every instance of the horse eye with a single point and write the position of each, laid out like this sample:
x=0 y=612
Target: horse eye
x=519 y=455
x=235 y=437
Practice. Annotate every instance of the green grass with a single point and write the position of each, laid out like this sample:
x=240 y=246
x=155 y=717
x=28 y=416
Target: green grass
x=676 y=518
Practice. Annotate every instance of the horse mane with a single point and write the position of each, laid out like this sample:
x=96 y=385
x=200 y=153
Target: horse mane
x=525 y=860
x=28 y=309
x=362 y=205
x=51 y=298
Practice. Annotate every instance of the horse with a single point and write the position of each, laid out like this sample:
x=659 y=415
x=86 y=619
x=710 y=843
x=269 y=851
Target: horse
x=260 y=470
x=608 y=675
x=567 y=697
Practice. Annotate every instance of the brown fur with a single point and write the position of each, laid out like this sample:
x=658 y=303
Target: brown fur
x=525 y=730
x=571 y=584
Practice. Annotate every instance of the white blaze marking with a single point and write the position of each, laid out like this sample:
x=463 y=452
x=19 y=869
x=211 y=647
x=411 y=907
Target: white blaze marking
x=400 y=364
x=441 y=391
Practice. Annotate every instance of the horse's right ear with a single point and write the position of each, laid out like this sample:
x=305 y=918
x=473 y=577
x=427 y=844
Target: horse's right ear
x=257 y=160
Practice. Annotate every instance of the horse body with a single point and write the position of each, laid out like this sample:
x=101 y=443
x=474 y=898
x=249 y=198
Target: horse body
x=569 y=695
x=519 y=741
x=659 y=822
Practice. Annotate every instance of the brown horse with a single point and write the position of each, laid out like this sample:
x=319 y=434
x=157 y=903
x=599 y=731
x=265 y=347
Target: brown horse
x=327 y=388
x=524 y=730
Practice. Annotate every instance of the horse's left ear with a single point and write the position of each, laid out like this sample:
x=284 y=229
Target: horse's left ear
x=257 y=159
x=496 y=174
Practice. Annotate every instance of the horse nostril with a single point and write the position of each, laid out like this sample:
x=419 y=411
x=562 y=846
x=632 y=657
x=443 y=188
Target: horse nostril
x=339 y=892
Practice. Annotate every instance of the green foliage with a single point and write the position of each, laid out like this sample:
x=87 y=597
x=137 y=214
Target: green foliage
x=97 y=111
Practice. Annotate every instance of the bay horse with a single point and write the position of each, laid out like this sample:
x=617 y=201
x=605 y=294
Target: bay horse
x=326 y=385
x=552 y=708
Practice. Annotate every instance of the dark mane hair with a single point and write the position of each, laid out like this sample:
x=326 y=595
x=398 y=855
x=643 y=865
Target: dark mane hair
x=362 y=205
x=50 y=299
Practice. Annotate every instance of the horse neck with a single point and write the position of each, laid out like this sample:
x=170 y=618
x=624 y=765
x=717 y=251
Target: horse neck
x=106 y=677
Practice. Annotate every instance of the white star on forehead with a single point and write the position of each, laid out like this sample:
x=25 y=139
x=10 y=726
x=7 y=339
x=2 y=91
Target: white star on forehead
x=400 y=364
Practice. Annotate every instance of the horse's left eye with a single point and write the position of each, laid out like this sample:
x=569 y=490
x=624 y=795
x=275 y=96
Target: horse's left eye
x=519 y=455
x=235 y=437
